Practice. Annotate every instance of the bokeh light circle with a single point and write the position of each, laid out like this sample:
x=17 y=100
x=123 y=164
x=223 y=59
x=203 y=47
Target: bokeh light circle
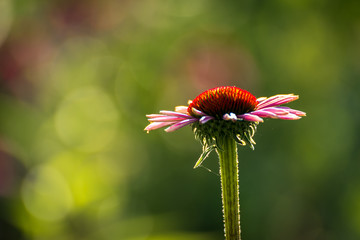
x=87 y=120
x=46 y=195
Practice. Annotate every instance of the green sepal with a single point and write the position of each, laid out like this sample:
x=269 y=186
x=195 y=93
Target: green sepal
x=249 y=140
x=238 y=139
x=204 y=155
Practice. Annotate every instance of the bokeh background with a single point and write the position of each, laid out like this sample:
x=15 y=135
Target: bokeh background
x=78 y=77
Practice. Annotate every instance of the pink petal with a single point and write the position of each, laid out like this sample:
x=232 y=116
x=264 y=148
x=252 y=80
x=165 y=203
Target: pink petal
x=205 y=119
x=289 y=116
x=268 y=100
x=263 y=113
x=285 y=100
x=166 y=119
x=275 y=110
x=277 y=100
x=197 y=112
x=181 y=109
x=293 y=111
x=171 y=113
x=251 y=118
x=181 y=124
x=260 y=99
x=157 y=125
x=155 y=115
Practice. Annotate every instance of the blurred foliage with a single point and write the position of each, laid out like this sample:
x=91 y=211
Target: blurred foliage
x=78 y=77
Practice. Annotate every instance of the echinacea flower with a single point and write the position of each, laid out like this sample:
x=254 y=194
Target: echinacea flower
x=220 y=118
x=225 y=111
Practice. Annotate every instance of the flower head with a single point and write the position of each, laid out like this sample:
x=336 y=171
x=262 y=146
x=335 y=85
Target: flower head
x=225 y=111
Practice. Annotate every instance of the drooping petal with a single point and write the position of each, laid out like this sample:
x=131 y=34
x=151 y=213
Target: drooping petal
x=289 y=116
x=251 y=118
x=181 y=124
x=166 y=119
x=157 y=125
x=277 y=100
x=293 y=111
x=171 y=113
x=155 y=115
x=285 y=100
x=268 y=100
x=263 y=113
x=275 y=110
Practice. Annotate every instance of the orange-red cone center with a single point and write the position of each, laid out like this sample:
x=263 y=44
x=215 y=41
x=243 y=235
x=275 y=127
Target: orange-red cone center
x=218 y=101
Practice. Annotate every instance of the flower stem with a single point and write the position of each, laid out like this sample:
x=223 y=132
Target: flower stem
x=229 y=172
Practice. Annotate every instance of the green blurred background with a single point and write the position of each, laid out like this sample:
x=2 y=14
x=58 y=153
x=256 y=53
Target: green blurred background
x=78 y=77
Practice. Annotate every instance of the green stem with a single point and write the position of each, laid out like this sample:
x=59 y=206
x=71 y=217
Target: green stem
x=229 y=172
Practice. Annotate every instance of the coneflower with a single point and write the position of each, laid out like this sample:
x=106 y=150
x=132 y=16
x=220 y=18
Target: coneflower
x=221 y=118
